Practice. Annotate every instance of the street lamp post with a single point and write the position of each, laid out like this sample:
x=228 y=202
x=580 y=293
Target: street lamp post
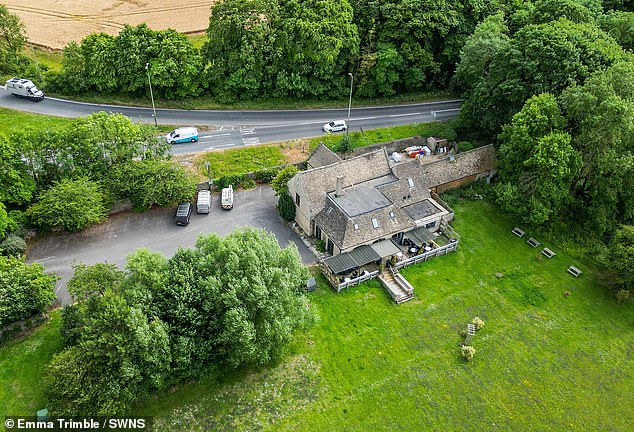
x=349 y=102
x=147 y=68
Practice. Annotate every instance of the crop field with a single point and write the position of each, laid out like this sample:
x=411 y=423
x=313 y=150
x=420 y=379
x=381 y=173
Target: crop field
x=54 y=24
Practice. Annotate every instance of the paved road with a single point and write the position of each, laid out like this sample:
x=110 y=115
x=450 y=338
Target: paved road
x=125 y=232
x=244 y=128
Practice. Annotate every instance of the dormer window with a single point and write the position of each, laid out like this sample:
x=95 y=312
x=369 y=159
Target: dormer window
x=375 y=223
x=410 y=182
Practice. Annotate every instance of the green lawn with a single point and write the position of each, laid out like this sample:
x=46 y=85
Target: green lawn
x=544 y=360
x=239 y=161
x=14 y=121
x=22 y=366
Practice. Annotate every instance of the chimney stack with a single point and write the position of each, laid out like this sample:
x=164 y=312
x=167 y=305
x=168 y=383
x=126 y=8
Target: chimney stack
x=339 y=190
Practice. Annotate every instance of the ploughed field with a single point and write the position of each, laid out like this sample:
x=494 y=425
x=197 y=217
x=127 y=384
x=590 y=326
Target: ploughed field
x=54 y=24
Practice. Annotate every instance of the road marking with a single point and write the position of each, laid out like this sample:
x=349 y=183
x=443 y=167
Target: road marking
x=220 y=145
x=405 y=115
x=251 y=141
x=202 y=137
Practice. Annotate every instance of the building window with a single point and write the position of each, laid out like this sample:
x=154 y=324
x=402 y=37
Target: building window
x=431 y=224
x=375 y=223
x=330 y=246
x=317 y=232
x=392 y=214
x=410 y=182
x=329 y=210
x=356 y=227
x=297 y=201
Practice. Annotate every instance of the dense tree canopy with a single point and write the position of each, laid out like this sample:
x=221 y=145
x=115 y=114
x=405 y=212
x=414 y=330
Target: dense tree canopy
x=229 y=301
x=540 y=58
x=24 y=289
x=118 y=63
x=537 y=162
x=12 y=40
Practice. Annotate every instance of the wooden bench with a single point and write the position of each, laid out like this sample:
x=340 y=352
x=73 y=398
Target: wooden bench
x=531 y=241
x=548 y=253
x=518 y=232
x=574 y=271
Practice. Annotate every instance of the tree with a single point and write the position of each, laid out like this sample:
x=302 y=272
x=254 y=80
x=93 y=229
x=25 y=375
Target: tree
x=537 y=162
x=16 y=185
x=601 y=116
x=24 y=289
x=621 y=256
x=256 y=288
x=489 y=36
x=12 y=40
x=286 y=207
x=280 y=182
x=153 y=182
x=70 y=204
x=4 y=220
x=619 y=25
x=120 y=355
x=539 y=59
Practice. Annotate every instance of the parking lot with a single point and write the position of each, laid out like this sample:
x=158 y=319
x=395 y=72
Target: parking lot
x=121 y=234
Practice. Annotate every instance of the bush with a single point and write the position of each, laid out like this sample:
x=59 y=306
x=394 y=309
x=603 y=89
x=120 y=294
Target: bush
x=25 y=289
x=623 y=295
x=345 y=145
x=467 y=352
x=13 y=245
x=477 y=322
x=237 y=181
x=286 y=207
x=266 y=175
x=320 y=245
x=70 y=204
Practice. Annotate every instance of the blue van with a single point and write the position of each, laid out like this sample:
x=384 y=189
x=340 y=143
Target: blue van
x=182 y=135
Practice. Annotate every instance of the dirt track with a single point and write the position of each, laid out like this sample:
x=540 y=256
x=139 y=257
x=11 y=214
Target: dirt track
x=58 y=22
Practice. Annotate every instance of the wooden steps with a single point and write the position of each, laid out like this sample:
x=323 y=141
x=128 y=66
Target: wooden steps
x=396 y=285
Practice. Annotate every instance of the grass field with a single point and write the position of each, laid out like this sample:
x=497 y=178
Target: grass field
x=240 y=160
x=15 y=121
x=544 y=360
x=22 y=366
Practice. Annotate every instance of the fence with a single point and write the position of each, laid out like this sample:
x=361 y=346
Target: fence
x=442 y=250
x=357 y=281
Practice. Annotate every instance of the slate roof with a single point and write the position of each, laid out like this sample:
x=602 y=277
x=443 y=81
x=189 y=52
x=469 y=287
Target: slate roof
x=313 y=184
x=322 y=156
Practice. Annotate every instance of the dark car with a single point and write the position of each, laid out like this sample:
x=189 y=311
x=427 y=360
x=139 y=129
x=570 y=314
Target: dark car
x=183 y=213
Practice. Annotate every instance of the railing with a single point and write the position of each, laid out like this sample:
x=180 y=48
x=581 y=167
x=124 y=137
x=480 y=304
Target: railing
x=358 y=280
x=442 y=250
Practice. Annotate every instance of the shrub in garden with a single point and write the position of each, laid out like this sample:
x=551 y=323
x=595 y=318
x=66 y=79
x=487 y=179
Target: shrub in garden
x=286 y=207
x=13 y=245
x=477 y=322
x=467 y=352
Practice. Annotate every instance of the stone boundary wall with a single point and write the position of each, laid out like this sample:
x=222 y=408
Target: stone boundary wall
x=10 y=330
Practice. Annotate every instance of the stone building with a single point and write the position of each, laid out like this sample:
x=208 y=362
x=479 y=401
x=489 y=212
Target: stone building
x=370 y=199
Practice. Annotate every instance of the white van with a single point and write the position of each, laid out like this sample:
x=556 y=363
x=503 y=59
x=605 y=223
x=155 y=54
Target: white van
x=227 y=198
x=203 y=202
x=182 y=135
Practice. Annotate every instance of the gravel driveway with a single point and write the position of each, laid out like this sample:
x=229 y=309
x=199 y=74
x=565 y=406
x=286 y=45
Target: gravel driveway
x=121 y=234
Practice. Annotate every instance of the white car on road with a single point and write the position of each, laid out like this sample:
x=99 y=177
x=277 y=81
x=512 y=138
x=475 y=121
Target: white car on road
x=335 y=126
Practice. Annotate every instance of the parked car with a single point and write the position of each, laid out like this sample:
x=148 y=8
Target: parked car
x=182 y=135
x=183 y=213
x=335 y=126
x=203 y=202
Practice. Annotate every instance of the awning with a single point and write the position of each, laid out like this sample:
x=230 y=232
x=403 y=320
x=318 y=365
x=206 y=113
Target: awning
x=385 y=248
x=360 y=256
x=420 y=235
